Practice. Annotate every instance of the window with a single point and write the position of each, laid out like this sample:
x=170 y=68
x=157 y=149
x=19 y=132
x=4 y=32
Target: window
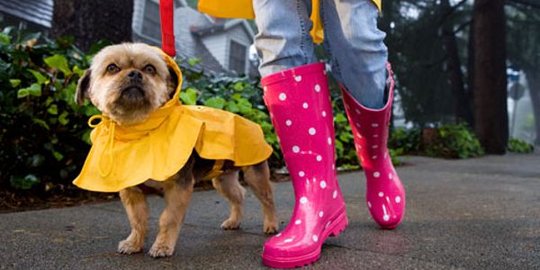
x=151 y=25
x=237 y=57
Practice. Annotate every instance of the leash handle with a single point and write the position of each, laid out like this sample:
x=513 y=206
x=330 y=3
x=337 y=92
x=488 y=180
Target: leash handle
x=166 y=11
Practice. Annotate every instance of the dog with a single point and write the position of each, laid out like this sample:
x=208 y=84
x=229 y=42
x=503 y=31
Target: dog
x=127 y=82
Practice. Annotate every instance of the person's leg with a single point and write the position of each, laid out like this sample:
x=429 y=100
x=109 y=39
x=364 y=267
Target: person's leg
x=297 y=97
x=283 y=39
x=355 y=44
x=359 y=64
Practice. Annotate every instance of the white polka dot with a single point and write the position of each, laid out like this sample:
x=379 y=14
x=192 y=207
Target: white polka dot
x=391 y=176
x=265 y=88
x=317 y=88
x=329 y=141
x=282 y=96
x=288 y=240
x=369 y=204
x=357 y=111
x=381 y=194
x=298 y=78
x=321 y=214
x=374 y=157
x=359 y=135
x=357 y=125
x=288 y=122
x=278 y=235
x=323 y=113
x=315 y=238
x=303 y=200
x=333 y=167
x=312 y=131
x=375 y=125
x=305 y=105
x=398 y=199
x=319 y=158
x=296 y=149
x=301 y=173
x=323 y=184
x=334 y=195
x=386 y=217
x=375 y=135
x=376 y=174
x=375 y=146
x=298 y=222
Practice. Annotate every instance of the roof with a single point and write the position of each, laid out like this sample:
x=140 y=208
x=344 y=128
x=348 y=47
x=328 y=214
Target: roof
x=37 y=11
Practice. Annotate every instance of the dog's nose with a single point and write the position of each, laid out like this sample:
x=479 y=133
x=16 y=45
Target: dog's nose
x=135 y=76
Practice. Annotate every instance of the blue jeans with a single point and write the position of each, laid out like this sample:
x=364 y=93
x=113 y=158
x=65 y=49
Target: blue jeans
x=351 y=39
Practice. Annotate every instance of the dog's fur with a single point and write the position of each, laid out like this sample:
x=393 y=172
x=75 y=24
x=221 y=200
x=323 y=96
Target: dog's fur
x=126 y=83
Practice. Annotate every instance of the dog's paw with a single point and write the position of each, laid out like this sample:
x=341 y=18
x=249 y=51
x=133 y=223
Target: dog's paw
x=128 y=247
x=270 y=228
x=160 y=250
x=230 y=224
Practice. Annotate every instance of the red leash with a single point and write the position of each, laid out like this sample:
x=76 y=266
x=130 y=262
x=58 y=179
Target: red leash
x=166 y=11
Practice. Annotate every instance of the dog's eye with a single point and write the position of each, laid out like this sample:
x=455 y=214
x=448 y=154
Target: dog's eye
x=150 y=69
x=112 y=68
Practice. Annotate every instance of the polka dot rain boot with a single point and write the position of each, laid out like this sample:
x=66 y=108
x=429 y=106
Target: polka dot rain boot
x=299 y=103
x=385 y=194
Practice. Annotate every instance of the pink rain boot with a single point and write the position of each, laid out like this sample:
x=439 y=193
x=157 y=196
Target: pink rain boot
x=385 y=194
x=299 y=104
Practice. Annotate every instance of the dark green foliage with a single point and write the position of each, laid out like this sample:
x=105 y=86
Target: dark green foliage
x=519 y=146
x=452 y=141
x=42 y=129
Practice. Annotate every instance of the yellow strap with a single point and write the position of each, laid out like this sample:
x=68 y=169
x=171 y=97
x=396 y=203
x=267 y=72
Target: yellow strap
x=317 y=32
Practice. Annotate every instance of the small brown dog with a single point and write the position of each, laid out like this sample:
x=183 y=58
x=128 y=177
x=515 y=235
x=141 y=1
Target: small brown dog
x=127 y=82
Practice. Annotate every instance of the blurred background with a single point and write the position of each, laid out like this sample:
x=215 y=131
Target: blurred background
x=467 y=74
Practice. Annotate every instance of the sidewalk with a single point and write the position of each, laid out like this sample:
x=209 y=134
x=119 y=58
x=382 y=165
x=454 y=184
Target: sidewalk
x=473 y=214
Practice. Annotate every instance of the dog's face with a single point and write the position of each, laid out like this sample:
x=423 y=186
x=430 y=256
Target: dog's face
x=127 y=82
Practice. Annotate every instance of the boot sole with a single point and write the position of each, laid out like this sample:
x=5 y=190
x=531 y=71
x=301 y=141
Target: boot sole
x=337 y=226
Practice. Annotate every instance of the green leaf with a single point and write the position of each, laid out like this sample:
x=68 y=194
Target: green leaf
x=244 y=105
x=53 y=109
x=238 y=86
x=59 y=62
x=57 y=155
x=77 y=70
x=5 y=38
x=33 y=90
x=193 y=61
x=24 y=183
x=41 y=79
x=14 y=82
x=215 y=102
x=41 y=123
x=231 y=106
x=189 y=96
x=63 y=118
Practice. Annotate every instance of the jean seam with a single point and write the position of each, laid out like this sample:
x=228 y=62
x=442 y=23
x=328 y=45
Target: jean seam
x=335 y=62
x=302 y=31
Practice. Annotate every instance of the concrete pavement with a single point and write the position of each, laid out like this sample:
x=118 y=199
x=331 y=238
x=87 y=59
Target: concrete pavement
x=472 y=214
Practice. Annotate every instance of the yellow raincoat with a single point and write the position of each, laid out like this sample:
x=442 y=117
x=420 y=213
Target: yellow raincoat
x=125 y=156
x=244 y=9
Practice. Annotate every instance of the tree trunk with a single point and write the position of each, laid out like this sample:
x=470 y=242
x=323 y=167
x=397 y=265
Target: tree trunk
x=533 y=81
x=491 y=113
x=89 y=21
x=462 y=105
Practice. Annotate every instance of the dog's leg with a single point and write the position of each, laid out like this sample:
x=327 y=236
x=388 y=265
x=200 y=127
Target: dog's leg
x=177 y=197
x=258 y=178
x=227 y=184
x=137 y=211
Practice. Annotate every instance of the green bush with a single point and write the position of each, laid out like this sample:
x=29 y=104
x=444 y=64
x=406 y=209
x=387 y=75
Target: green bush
x=519 y=146
x=42 y=130
x=452 y=141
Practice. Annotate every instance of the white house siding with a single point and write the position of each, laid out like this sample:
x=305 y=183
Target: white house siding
x=218 y=45
x=238 y=34
x=138 y=15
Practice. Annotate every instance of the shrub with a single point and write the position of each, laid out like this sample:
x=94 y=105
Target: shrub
x=451 y=141
x=519 y=146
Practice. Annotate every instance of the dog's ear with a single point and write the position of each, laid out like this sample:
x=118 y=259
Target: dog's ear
x=82 y=87
x=172 y=82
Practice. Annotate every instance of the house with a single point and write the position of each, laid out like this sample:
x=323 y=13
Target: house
x=219 y=45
